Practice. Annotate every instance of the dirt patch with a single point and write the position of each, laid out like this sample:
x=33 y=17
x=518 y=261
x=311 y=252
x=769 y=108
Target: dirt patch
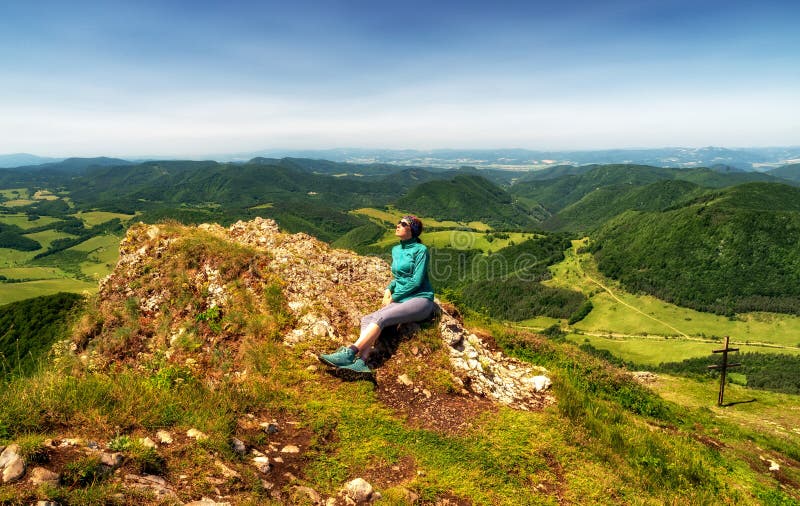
x=392 y=474
x=556 y=487
x=446 y=413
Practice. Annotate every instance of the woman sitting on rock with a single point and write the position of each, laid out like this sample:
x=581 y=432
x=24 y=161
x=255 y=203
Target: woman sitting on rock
x=408 y=298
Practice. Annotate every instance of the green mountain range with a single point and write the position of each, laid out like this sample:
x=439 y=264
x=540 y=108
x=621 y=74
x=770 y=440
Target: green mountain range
x=728 y=251
x=467 y=198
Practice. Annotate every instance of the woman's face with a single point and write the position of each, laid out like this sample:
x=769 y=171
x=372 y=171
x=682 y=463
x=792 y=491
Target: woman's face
x=403 y=230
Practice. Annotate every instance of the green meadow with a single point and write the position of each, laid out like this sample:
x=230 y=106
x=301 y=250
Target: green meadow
x=392 y=215
x=92 y=218
x=12 y=292
x=46 y=237
x=32 y=273
x=22 y=221
x=75 y=269
x=461 y=239
x=654 y=351
x=14 y=193
x=648 y=331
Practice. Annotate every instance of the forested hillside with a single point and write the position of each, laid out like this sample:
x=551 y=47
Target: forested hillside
x=606 y=202
x=29 y=328
x=565 y=187
x=732 y=251
x=467 y=198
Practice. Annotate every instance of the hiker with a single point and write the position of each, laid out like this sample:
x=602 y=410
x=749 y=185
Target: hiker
x=408 y=298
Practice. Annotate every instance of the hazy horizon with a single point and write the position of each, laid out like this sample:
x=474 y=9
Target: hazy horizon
x=193 y=79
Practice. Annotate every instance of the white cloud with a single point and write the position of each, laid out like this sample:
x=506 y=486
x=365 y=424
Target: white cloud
x=192 y=125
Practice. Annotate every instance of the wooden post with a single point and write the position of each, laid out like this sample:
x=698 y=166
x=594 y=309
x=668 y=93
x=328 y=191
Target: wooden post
x=723 y=368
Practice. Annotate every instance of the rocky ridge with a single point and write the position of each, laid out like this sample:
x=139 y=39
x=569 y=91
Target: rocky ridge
x=328 y=290
x=171 y=286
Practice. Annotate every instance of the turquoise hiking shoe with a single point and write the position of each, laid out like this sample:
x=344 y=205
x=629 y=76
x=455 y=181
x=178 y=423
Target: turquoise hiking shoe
x=344 y=356
x=358 y=366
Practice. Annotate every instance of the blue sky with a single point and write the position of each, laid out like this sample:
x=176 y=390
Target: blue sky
x=188 y=78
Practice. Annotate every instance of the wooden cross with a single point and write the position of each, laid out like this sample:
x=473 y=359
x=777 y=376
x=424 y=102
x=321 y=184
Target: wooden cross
x=724 y=367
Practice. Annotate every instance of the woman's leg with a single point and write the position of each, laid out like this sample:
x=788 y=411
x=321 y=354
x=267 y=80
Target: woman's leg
x=412 y=310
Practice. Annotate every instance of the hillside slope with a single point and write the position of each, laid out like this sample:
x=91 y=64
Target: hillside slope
x=193 y=375
x=730 y=251
x=467 y=198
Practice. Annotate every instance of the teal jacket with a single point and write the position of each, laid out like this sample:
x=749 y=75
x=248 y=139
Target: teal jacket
x=410 y=261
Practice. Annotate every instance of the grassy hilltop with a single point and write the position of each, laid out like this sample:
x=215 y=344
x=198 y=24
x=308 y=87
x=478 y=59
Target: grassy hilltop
x=151 y=354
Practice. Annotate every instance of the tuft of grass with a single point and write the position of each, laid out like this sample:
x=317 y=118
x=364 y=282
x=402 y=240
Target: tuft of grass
x=83 y=472
x=32 y=448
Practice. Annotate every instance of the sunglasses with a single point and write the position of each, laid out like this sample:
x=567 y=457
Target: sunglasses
x=403 y=224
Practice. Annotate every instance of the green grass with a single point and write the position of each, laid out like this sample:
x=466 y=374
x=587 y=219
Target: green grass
x=607 y=440
x=92 y=218
x=392 y=215
x=13 y=258
x=771 y=413
x=12 y=292
x=103 y=253
x=32 y=273
x=460 y=239
x=46 y=237
x=15 y=193
x=654 y=351
x=18 y=202
x=622 y=313
x=21 y=220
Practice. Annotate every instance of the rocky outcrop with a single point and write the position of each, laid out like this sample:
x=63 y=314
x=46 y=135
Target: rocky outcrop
x=12 y=466
x=327 y=292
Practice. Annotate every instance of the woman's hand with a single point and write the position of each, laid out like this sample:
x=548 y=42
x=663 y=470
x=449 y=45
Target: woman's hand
x=387 y=297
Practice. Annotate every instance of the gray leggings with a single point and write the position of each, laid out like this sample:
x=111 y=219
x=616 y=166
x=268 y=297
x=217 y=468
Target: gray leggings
x=412 y=310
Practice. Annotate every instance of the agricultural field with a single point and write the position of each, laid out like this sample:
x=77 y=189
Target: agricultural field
x=462 y=239
x=93 y=218
x=464 y=236
x=392 y=215
x=12 y=292
x=74 y=269
x=22 y=221
x=653 y=351
x=646 y=330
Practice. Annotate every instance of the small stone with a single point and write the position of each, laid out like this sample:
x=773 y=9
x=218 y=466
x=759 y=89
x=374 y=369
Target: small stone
x=312 y=368
x=405 y=380
x=205 y=501
x=11 y=464
x=290 y=449
x=148 y=443
x=113 y=460
x=262 y=464
x=541 y=383
x=359 y=490
x=310 y=493
x=427 y=393
x=196 y=434
x=46 y=503
x=93 y=445
x=40 y=475
x=226 y=471
x=278 y=460
x=269 y=428
x=239 y=446
x=164 y=437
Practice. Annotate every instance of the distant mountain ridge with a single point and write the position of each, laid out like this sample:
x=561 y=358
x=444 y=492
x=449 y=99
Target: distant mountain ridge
x=21 y=159
x=747 y=159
